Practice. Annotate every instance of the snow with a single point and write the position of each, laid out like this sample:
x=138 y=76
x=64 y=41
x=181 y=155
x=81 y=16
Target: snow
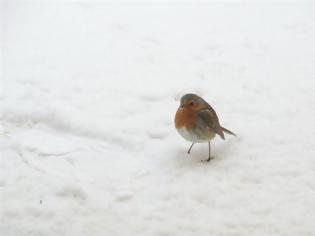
x=90 y=90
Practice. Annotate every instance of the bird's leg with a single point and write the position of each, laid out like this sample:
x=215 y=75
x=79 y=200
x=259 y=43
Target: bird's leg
x=209 y=154
x=190 y=148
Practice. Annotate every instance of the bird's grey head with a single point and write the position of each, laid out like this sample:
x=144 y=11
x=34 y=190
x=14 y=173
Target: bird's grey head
x=190 y=99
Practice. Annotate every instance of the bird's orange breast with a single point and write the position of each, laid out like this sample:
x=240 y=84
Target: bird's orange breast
x=185 y=117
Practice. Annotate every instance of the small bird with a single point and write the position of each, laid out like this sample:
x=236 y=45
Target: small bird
x=197 y=121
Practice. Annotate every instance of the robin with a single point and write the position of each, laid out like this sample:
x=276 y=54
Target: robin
x=197 y=121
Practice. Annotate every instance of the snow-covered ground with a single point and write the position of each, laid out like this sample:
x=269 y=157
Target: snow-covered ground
x=90 y=89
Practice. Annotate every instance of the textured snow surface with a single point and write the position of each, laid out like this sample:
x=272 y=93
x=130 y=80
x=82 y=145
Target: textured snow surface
x=89 y=93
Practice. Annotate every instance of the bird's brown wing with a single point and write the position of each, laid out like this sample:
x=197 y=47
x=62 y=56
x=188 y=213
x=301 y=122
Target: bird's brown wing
x=211 y=120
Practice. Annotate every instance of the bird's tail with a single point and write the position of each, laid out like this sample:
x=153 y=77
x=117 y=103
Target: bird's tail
x=227 y=131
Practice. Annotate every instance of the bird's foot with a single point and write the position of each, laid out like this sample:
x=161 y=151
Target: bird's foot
x=207 y=160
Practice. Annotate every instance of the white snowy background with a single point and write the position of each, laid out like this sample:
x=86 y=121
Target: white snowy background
x=88 y=96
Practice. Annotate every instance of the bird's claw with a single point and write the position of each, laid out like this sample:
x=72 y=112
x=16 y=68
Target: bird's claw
x=207 y=160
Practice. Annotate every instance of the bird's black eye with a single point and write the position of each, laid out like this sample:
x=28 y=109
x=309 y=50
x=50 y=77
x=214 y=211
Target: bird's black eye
x=191 y=103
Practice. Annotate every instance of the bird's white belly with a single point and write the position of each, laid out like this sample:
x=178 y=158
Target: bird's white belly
x=194 y=137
